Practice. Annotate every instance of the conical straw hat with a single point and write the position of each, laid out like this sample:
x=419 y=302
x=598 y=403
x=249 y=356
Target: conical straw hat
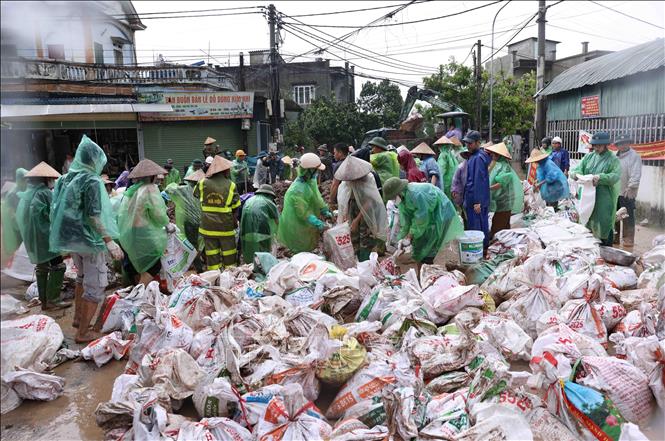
x=195 y=176
x=487 y=144
x=499 y=149
x=287 y=160
x=455 y=141
x=146 y=168
x=423 y=149
x=536 y=155
x=42 y=170
x=443 y=140
x=352 y=168
x=219 y=164
x=209 y=140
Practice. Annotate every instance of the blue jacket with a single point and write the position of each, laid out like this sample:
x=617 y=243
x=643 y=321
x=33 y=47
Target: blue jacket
x=430 y=167
x=477 y=188
x=555 y=184
x=561 y=158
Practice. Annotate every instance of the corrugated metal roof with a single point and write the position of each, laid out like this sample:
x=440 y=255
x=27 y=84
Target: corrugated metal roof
x=636 y=59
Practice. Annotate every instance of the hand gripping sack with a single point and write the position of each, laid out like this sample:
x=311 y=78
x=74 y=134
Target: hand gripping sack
x=337 y=244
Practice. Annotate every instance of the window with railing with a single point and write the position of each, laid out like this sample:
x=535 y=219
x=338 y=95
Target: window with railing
x=304 y=94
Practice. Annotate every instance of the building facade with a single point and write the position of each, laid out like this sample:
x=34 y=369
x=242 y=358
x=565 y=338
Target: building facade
x=620 y=92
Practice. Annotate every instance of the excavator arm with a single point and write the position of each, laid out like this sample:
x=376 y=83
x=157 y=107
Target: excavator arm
x=430 y=96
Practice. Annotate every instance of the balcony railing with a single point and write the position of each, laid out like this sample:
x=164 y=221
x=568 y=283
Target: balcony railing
x=26 y=69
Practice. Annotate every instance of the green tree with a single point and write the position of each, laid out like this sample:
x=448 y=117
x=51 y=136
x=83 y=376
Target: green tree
x=513 y=104
x=326 y=121
x=381 y=102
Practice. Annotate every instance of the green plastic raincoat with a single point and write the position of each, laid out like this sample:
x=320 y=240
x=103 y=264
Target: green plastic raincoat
x=299 y=224
x=385 y=165
x=81 y=213
x=509 y=196
x=141 y=222
x=258 y=226
x=32 y=215
x=240 y=172
x=11 y=235
x=187 y=211
x=173 y=177
x=447 y=165
x=608 y=168
x=429 y=216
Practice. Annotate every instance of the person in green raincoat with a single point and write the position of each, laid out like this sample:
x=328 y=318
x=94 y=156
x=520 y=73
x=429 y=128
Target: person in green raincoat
x=447 y=163
x=506 y=193
x=11 y=235
x=240 y=172
x=606 y=170
x=196 y=164
x=142 y=220
x=173 y=175
x=187 y=210
x=83 y=225
x=34 y=223
x=385 y=163
x=258 y=223
x=299 y=226
x=427 y=218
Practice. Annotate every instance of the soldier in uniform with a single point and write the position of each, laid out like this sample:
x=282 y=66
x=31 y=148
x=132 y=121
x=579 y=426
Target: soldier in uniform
x=219 y=203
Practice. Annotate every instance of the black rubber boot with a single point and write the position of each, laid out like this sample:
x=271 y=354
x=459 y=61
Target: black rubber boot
x=54 y=288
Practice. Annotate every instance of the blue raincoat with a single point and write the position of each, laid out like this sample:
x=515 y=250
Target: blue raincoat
x=477 y=191
x=554 y=185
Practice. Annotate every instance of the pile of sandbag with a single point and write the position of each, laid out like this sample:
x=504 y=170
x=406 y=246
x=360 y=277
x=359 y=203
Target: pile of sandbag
x=247 y=353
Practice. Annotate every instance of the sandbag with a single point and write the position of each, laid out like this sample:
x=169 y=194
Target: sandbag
x=337 y=245
x=105 y=348
x=29 y=342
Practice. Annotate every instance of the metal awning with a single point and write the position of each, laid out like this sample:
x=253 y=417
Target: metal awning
x=21 y=110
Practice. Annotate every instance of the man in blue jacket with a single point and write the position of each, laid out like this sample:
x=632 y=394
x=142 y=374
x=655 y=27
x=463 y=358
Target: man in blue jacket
x=477 y=187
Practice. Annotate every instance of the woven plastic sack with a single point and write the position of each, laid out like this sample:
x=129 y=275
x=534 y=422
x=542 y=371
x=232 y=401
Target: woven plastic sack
x=337 y=245
x=344 y=362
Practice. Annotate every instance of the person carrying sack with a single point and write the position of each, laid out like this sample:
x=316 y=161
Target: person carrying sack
x=83 y=225
x=300 y=226
x=143 y=221
x=258 y=223
x=33 y=216
x=360 y=205
x=219 y=203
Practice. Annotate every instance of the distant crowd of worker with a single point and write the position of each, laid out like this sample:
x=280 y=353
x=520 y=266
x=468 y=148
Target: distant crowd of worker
x=225 y=216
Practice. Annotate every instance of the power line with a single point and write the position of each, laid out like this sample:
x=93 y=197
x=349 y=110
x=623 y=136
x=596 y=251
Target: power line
x=511 y=38
x=355 y=10
x=405 y=22
x=349 y=34
x=590 y=34
x=627 y=15
x=367 y=50
x=320 y=39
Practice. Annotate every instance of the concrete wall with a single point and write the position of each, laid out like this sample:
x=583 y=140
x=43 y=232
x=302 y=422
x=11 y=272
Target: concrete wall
x=651 y=196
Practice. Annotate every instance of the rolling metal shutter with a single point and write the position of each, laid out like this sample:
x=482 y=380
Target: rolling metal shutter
x=183 y=141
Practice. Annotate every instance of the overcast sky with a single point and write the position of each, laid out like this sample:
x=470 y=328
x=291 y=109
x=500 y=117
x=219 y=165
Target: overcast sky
x=415 y=50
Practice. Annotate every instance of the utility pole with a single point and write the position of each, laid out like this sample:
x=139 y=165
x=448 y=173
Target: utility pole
x=540 y=74
x=479 y=71
x=274 y=71
x=241 y=74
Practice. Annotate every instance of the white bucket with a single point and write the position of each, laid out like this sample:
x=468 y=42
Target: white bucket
x=471 y=247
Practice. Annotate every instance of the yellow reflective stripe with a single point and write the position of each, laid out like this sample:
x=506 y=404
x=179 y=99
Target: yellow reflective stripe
x=214 y=267
x=209 y=209
x=232 y=190
x=216 y=233
x=229 y=252
x=213 y=252
x=226 y=208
